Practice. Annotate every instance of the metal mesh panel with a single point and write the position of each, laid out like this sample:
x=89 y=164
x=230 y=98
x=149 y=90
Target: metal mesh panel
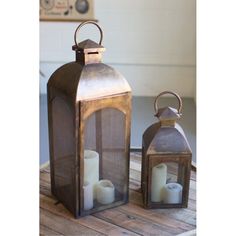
x=105 y=134
x=63 y=151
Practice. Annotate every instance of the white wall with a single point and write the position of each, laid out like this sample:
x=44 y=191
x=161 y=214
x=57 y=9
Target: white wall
x=152 y=43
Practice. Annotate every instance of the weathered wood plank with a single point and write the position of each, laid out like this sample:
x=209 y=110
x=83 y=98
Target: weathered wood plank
x=155 y=217
x=44 y=230
x=182 y=214
x=104 y=226
x=63 y=225
x=132 y=223
x=88 y=221
x=45 y=188
x=129 y=219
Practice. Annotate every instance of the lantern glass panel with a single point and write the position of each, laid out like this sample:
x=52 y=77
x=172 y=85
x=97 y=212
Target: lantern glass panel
x=63 y=151
x=104 y=133
x=172 y=172
x=167 y=182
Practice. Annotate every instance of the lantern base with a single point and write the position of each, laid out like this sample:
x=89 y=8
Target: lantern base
x=165 y=206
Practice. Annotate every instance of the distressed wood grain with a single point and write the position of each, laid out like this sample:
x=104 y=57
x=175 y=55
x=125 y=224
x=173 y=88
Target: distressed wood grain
x=130 y=219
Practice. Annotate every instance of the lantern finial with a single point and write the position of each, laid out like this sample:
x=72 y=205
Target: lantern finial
x=168 y=115
x=88 y=51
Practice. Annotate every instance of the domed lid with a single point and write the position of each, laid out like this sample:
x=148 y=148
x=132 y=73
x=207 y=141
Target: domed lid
x=100 y=80
x=88 y=78
x=166 y=140
x=89 y=81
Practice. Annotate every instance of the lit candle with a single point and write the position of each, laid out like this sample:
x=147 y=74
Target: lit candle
x=91 y=168
x=88 y=196
x=172 y=193
x=105 y=192
x=159 y=175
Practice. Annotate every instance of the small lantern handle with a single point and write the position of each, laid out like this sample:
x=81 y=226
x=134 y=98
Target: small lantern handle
x=168 y=92
x=85 y=23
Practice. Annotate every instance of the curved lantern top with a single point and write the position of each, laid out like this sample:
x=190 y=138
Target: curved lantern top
x=166 y=136
x=87 y=77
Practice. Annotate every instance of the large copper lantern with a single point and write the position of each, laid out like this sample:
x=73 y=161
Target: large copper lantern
x=89 y=112
x=166 y=160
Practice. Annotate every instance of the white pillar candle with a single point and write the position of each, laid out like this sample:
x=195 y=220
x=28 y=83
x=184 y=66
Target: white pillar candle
x=159 y=175
x=105 y=192
x=172 y=193
x=88 y=196
x=91 y=168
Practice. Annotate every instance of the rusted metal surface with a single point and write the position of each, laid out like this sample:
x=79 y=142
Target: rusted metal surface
x=165 y=142
x=87 y=97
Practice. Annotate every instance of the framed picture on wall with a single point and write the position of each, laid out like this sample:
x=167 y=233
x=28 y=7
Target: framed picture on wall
x=66 y=10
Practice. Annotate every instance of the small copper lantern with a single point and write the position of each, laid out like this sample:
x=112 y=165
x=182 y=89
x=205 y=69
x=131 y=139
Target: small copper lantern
x=89 y=113
x=166 y=160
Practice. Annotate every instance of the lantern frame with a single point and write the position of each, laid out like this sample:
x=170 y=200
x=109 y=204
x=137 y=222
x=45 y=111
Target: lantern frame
x=85 y=86
x=155 y=150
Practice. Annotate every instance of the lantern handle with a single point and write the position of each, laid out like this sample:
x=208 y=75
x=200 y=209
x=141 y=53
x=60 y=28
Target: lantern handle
x=85 y=23
x=168 y=92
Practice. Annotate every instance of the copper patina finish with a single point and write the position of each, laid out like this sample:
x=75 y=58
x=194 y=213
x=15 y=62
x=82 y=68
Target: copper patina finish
x=165 y=142
x=80 y=93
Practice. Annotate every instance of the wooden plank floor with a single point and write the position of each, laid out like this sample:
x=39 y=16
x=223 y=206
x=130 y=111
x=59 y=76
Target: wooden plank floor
x=129 y=219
